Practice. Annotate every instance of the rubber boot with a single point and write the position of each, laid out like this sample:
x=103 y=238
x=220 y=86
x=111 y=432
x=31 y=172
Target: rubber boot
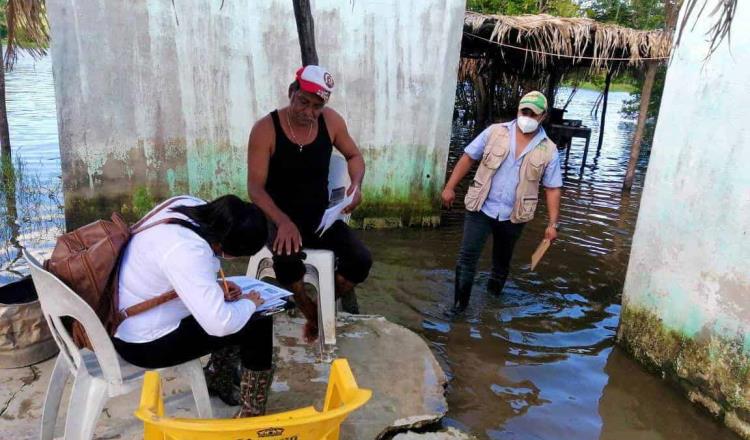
x=495 y=285
x=223 y=374
x=254 y=392
x=349 y=302
x=461 y=298
x=345 y=291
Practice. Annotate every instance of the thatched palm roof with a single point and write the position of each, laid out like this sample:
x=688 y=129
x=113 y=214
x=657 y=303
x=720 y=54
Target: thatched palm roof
x=543 y=41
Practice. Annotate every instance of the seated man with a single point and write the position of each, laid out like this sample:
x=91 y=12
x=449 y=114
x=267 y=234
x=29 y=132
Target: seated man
x=289 y=153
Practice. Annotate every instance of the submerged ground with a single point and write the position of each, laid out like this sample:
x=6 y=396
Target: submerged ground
x=538 y=362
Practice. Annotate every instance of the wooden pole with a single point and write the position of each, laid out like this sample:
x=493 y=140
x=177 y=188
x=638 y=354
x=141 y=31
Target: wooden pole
x=554 y=78
x=305 y=31
x=607 y=82
x=635 y=148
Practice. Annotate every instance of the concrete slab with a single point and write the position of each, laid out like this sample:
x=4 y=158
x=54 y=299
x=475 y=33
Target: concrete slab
x=448 y=434
x=405 y=377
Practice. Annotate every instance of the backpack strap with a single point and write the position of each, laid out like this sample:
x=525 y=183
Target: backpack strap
x=149 y=304
x=145 y=305
x=137 y=227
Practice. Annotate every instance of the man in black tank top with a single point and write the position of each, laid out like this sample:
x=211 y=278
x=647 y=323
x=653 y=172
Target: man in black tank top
x=289 y=152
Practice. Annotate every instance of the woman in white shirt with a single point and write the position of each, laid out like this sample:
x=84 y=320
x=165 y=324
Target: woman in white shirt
x=183 y=255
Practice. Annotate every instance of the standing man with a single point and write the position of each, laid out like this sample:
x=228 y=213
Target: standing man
x=289 y=152
x=514 y=157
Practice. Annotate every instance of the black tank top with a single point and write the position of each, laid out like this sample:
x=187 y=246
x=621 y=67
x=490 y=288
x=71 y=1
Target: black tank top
x=298 y=178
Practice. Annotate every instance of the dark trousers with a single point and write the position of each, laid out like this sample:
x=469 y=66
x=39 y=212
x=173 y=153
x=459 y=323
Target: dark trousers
x=190 y=341
x=477 y=227
x=353 y=259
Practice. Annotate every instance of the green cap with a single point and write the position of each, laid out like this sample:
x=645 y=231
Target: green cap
x=534 y=101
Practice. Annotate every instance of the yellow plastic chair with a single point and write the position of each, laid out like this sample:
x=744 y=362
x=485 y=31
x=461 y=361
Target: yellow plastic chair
x=342 y=398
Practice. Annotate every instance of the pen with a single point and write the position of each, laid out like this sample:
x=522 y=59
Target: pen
x=226 y=286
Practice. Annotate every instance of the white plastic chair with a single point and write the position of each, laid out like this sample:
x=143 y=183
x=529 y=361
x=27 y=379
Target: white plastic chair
x=99 y=375
x=319 y=264
x=319 y=272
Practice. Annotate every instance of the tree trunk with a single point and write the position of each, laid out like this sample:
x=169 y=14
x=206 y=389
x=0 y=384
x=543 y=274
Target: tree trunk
x=305 y=31
x=635 y=148
x=607 y=82
x=5 y=154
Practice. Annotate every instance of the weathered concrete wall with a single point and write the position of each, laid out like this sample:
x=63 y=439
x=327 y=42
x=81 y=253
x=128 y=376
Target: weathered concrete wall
x=156 y=98
x=686 y=303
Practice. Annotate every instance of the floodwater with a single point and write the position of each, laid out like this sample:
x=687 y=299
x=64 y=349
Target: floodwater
x=538 y=362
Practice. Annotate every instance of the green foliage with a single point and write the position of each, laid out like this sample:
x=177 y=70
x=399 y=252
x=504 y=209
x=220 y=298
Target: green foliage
x=560 y=8
x=636 y=14
x=143 y=201
x=631 y=106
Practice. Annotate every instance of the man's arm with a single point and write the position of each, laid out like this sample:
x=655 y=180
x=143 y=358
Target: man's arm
x=343 y=142
x=552 y=182
x=459 y=172
x=472 y=153
x=553 y=196
x=288 y=238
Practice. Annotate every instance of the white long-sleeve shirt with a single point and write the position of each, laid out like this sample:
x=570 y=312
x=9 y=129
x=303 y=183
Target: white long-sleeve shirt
x=167 y=257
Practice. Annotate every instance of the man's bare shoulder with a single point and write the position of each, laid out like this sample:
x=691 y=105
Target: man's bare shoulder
x=263 y=133
x=333 y=117
x=263 y=125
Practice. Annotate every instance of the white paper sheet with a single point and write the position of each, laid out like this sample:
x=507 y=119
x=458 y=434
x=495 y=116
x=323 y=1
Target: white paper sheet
x=273 y=296
x=334 y=213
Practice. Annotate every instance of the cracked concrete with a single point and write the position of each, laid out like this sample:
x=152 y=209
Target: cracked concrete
x=406 y=379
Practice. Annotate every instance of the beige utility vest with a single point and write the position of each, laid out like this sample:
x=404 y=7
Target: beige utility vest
x=532 y=169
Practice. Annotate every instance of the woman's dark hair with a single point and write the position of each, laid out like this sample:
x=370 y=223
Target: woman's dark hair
x=239 y=227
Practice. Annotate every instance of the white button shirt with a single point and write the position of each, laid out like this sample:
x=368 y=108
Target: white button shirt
x=168 y=257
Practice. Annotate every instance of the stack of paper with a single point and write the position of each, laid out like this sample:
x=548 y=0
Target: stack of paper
x=273 y=296
x=334 y=213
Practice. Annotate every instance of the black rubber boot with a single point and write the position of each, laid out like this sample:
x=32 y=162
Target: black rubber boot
x=461 y=299
x=495 y=285
x=223 y=375
x=254 y=396
x=349 y=302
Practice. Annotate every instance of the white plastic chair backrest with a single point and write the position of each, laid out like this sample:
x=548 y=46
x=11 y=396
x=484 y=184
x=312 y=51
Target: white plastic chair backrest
x=338 y=177
x=58 y=301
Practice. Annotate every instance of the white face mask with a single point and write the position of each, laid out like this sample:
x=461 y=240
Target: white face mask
x=527 y=124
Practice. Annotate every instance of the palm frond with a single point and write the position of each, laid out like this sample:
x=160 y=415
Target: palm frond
x=27 y=29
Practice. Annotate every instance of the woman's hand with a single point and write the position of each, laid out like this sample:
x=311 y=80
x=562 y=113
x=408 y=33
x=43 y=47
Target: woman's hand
x=233 y=291
x=254 y=297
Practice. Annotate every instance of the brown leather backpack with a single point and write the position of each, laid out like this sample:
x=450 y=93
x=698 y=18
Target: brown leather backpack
x=88 y=261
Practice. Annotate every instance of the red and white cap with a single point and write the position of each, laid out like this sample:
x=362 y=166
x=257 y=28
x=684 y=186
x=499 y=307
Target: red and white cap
x=316 y=80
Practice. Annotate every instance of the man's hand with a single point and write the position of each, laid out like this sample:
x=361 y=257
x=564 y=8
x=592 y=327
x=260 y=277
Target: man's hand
x=356 y=201
x=234 y=292
x=288 y=239
x=448 y=197
x=254 y=297
x=550 y=233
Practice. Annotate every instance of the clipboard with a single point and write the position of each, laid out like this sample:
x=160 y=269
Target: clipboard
x=539 y=252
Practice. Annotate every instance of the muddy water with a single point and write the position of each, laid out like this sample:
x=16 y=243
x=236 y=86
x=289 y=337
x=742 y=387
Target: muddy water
x=537 y=362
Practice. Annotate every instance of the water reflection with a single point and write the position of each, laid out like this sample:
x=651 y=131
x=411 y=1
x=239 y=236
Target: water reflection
x=535 y=363
x=32 y=205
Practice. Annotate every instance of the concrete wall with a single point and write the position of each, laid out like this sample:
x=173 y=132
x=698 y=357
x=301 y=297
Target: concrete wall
x=157 y=99
x=686 y=303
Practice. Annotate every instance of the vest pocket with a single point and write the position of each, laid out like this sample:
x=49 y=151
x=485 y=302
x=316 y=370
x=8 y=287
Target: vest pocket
x=528 y=207
x=471 y=200
x=534 y=171
x=492 y=160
